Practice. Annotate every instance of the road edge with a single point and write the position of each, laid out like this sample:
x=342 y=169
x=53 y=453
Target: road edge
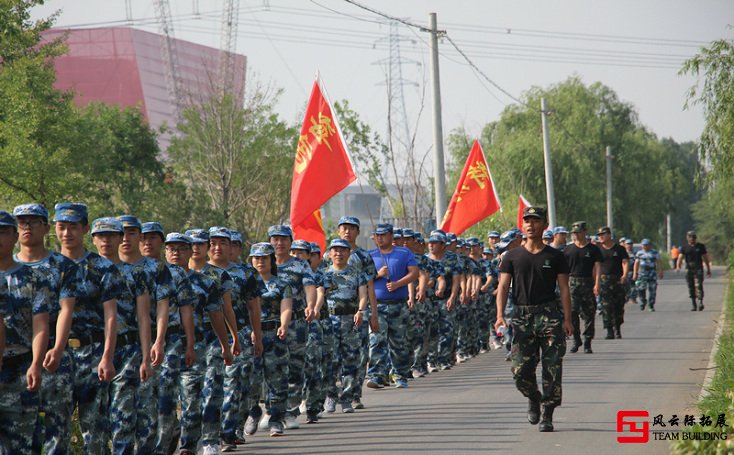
x=711 y=367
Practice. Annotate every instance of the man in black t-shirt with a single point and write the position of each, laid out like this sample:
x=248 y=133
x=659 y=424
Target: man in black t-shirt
x=695 y=255
x=614 y=266
x=583 y=261
x=539 y=335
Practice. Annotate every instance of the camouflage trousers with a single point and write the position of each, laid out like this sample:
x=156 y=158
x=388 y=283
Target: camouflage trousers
x=347 y=351
x=647 y=289
x=212 y=394
x=236 y=385
x=91 y=396
x=538 y=337
x=18 y=411
x=364 y=353
x=314 y=390
x=612 y=296
x=57 y=405
x=146 y=425
x=442 y=335
x=694 y=278
x=190 y=388
x=464 y=316
x=275 y=374
x=124 y=398
x=297 y=340
x=422 y=322
x=328 y=358
x=388 y=348
x=630 y=288
x=484 y=320
x=583 y=306
x=168 y=386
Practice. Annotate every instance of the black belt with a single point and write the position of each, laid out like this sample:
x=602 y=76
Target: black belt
x=269 y=325
x=543 y=307
x=128 y=338
x=80 y=342
x=575 y=277
x=174 y=330
x=612 y=277
x=299 y=315
x=390 y=302
x=342 y=311
x=16 y=361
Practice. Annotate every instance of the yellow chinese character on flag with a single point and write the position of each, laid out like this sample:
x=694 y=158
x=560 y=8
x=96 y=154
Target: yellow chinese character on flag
x=304 y=152
x=479 y=173
x=322 y=130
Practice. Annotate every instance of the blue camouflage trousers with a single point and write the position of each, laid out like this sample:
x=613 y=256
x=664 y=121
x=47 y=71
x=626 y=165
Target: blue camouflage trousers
x=57 y=405
x=364 y=355
x=314 y=389
x=147 y=411
x=168 y=384
x=423 y=320
x=275 y=374
x=124 y=398
x=327 y=359
x=190 y=388
x=442 y=335
x=647 y=289
x=388 y=347
x=347 y=351
x=91 y=396
x=237 y=385
x=18 y=411
x=297 y=340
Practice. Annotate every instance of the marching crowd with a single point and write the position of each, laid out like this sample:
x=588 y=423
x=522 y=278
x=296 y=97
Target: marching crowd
x=169 y=342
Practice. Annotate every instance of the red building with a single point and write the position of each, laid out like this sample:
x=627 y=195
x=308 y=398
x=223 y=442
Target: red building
x=125 y=66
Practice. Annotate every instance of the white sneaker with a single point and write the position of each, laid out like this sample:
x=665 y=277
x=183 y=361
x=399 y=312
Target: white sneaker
x=264 y=422
x=291 y=423
x=496 y=344
x=210 y=450
x=302 y=407
x=330 y=405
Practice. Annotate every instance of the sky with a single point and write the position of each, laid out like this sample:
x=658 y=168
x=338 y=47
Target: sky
x=635 y=47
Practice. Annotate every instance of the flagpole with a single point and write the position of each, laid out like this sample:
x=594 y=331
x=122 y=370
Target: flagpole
x=548 y=168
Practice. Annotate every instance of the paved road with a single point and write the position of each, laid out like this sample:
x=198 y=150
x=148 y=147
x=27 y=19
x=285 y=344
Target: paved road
x=657 y=366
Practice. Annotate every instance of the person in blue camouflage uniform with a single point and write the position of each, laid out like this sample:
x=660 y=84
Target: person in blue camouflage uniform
x=246 y=307
x=445 y=301
x=56 y=401
x=314 y=391
x=417 y=315
x=489 y=288
x=453 y=248
x=235 y=250
x=436 y=283
x=159 y=282
x=297 y=274
x=480 y=319
x=277 y=303
x=560 y=238
x=630 y=287
x=348 y=229
x=346 y=298
x=132 y=352
x=25 y=299
x=179 y=338
x=93 y=333
x=327 y=330
x=548 y=237
x=647 y=269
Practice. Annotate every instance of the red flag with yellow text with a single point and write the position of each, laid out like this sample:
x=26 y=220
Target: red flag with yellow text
x=475 y=197
x=311 y=229
x=322 y=167
x=523 y=203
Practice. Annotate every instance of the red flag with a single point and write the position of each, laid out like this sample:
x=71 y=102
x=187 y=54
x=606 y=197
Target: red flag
x=311 y=228
x=475 y=197
x=322 y=167
x=523 y=203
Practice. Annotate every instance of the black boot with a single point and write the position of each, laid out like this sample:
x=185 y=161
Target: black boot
x=546 y=420
x=693 y=302
x=533 y=411
x=610 y=334
x=617 y=332
x=576 y=345
x=587 y=346
x=700 y=305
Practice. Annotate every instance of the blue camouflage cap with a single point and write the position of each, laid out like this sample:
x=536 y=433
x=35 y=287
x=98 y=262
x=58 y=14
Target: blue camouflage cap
x=397 y=233
x=280 y=230
x=152 y=226
x=628 y=241
x=31 y=210
x=107 y=224
x=547 y=234
x=437 y=237
x=488 y=250
x=301 y=245
x=438 y=231
x=472 y=241
x=177 y=237
x=408 y=233
x=646 y=242
x=348 y=220
x=315 y=248
x=198 y=235
x=560 y=230
x=339 y=243
x=71 y=212
x=383 y=228
x=7 y=219
x=460 y=242
x=130 y=221
x=235 y=236
x=418 y=237
x=262 y=249
x=508 y=236
x=450 y=238
x=493 y=234
x=219 y=231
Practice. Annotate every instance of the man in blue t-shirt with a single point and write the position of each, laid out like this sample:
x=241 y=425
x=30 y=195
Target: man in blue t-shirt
x=396 y=268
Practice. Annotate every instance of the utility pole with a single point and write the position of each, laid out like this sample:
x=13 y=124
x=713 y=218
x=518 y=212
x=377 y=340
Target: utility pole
x=439 y=174
x=667 y=232
x=610 y=220
x=550 y=195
